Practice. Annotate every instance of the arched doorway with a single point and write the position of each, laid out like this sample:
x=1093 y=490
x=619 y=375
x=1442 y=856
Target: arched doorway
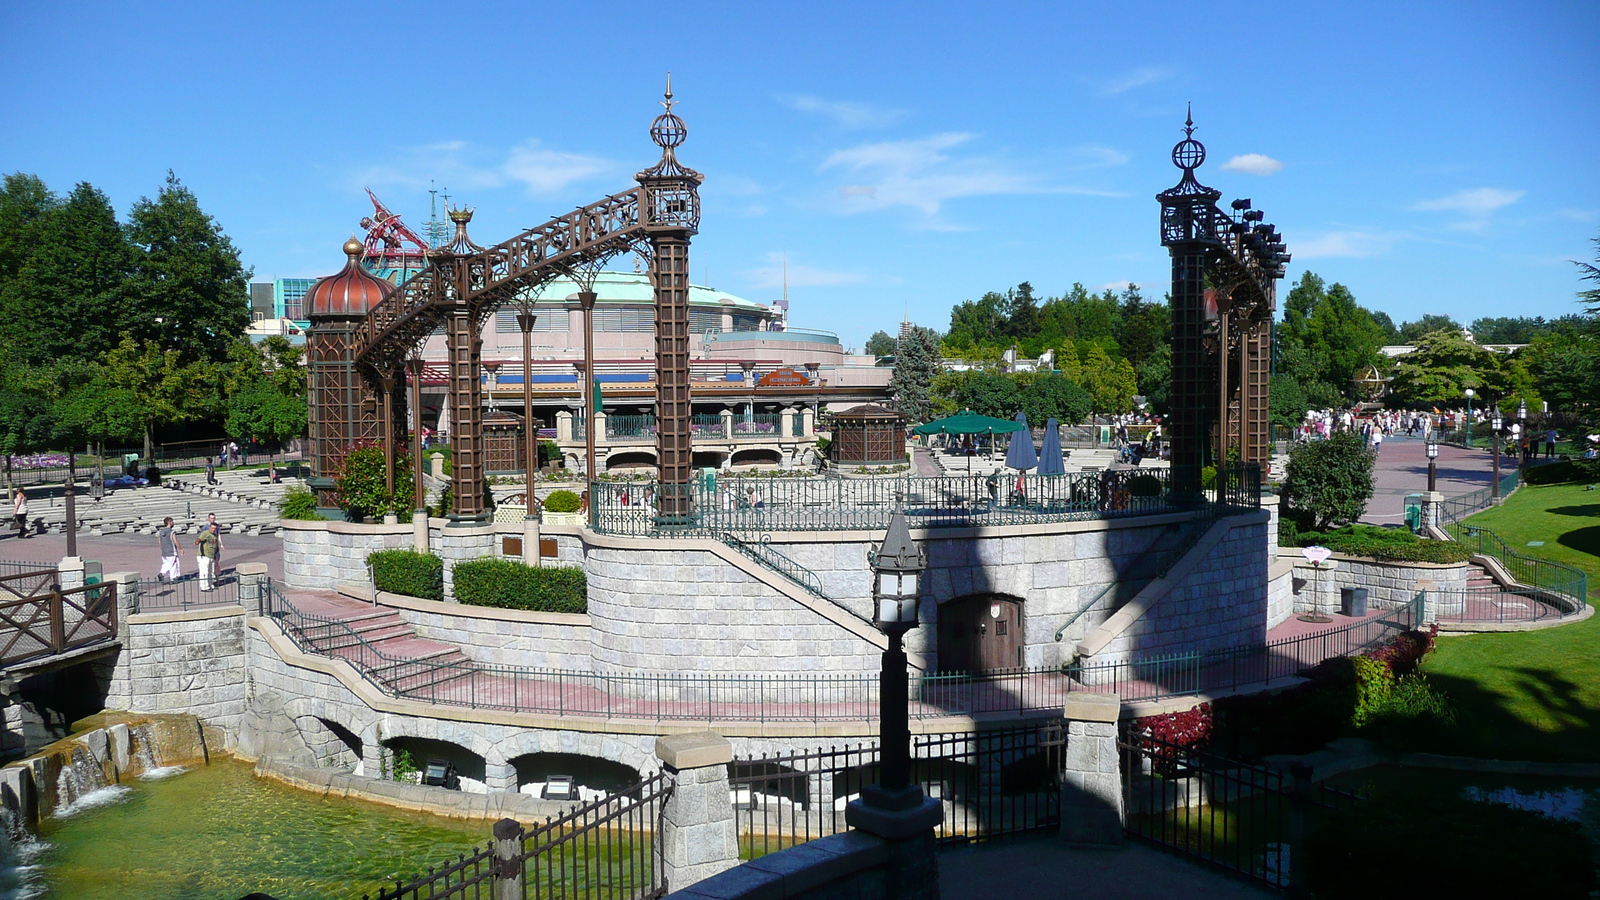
x=981 y=633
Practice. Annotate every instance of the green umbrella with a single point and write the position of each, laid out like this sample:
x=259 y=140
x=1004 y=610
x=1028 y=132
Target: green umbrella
x=968 y=422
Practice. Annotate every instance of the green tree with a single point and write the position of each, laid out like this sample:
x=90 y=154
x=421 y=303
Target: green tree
x=1508 y=329
x=1111 y=383
x=1054 y=396
x=1286 y=401
x=915 y=366
x=975 y=322
x=1444 y=364
x=265 y=388
x=1022 y=313
x=1328 y=483
x=1411 y=332
x=1391 y=334
x=27 y=409
x=1565 y=369
x=1155 y=379
x=138 y=388
x=1590 y=272
x=880 y=345
x=992 y=394
x=187 y=277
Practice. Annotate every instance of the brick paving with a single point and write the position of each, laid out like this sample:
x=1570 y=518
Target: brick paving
x=1403 y=469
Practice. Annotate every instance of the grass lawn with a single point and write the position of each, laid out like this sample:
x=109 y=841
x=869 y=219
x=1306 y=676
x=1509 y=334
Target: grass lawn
x=1533 y=695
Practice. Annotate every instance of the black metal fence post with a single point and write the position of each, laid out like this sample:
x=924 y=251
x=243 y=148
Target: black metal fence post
x=1299 y=826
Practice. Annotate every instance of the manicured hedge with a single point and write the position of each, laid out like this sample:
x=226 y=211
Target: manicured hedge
x=1568 y=471
x=562 y=502
x=408 y=572
x=507 y=584
x=1391 y=544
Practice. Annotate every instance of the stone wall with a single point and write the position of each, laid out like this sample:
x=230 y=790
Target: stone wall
x=853 y=865
x=455 y=545
x=688 y=610
x=1389 y=584
x=511 y=637
x=187 y=662
x=322 y=555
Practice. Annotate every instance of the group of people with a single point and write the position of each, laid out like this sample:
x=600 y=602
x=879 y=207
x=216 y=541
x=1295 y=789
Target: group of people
x=208 y=552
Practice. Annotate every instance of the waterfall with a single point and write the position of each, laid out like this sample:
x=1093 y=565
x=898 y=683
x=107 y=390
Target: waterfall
x=82 y=784
x=143 y=738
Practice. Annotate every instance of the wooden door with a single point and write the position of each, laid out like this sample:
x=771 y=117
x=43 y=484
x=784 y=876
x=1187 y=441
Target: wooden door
x=980 y=634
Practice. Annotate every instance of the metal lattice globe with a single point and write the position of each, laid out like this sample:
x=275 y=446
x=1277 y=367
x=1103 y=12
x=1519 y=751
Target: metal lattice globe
x=1188 y=154
x=668 y=130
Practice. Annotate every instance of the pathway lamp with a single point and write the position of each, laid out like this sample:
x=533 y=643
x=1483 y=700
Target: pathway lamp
x=1494 y=426
x=1524 y=439
x=1468 y=441
x=895 y=807
x=1433 y=459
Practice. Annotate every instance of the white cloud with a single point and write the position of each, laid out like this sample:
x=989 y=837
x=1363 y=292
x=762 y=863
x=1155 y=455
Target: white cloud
x=1477 y=204
x=1253 y=164
x=1346 y=243
x=771 y=275
x=461 y=166
x=1118 y=286
x=846 y=113
x=1095 y=157
x=547 y=171
x=1136 y=79
x=923 y=173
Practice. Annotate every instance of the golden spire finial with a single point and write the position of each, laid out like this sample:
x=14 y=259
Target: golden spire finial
x=668 y=101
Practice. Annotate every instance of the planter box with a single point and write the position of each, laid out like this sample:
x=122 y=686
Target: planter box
x=574 y=519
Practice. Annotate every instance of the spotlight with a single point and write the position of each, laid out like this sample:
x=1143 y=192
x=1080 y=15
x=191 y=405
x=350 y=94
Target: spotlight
x=1241 y=204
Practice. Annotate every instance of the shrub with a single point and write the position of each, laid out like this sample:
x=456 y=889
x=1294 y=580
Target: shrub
x=361 y=483
x=549 y=453
x=1404 y=654
x=446 y=502
x=299 y=504
x=507 y=584
x=1394 y=544
x=1453 y=847
x=1374 y=683
x=1328 y=483
x=1144 y=486
x=563 y=502
x=1190 y=728
x=408 y=572
x=1412 y=715
x=1569 y=471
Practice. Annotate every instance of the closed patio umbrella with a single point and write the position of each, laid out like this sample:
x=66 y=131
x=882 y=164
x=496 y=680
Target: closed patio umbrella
x=1050 y=460
x=1020 y=455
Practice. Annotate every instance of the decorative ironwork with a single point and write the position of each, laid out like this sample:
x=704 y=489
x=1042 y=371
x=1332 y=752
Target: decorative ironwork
x=1225 y=268
x=463 y=283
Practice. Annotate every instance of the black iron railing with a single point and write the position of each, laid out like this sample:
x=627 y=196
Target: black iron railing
x=186 y=593
x=956 y=501
x=1541 y=588
x=1245 y=819
x=1185 y=674
x=607 y=849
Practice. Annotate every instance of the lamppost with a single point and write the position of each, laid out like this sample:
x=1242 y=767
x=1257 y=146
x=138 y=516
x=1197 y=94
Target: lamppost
x=895 y=807
x=1433 y=469
x=1467 y=442
x=1524 y=439
x=1494 y=426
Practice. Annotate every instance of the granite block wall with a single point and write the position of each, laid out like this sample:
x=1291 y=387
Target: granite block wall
x=323 y=555
x=499 y=639
x=187 y=662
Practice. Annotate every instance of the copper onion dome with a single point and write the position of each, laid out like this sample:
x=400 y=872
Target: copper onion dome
x=352 y=292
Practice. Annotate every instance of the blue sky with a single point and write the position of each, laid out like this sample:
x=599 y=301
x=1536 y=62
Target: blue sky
x=1435 y=157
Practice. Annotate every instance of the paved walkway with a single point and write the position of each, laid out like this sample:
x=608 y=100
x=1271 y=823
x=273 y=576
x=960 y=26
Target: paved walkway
x=142 y=553
x=1403 y=469
x=1044 y=868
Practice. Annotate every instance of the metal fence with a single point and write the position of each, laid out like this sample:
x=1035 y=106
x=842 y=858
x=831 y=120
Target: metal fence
x=990 y=783
x=1454 y=509
x=1192 y=673
x=957 y=501
x=1246 y=819
x=631 y=427
x=607 y=849
x=186 y=593
x=1542 y=588
x=759 y=424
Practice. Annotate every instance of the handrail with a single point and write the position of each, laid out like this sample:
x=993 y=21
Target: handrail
x=1137 y=565
x=1528 y=571
x=763 y=553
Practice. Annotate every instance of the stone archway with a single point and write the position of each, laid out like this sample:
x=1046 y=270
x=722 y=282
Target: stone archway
x=757 y=457
x=980 y=633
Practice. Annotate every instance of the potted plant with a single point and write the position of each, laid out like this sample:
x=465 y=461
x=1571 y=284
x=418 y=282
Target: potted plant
x=562 y=508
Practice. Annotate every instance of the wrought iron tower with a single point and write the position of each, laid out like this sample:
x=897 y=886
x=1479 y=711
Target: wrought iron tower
x=1225 y=268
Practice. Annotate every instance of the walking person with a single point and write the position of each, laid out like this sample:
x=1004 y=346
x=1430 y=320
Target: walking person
x=216 y=530
x=206 y=556
x=238 y=458
x=211 y=472
x=1550 y=438
x=171 y=556
x=19 y=511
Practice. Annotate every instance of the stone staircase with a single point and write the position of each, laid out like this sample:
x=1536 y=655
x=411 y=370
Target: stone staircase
x=376 y=640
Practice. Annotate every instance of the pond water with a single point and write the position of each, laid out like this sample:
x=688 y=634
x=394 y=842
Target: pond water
x=217 y=833
x=1570 y=799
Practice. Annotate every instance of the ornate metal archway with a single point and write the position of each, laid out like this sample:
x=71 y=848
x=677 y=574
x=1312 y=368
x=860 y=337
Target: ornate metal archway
x=463 y=284
x=1225 y=269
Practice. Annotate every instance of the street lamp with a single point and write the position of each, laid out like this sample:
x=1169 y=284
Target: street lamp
x=1524 y=439
x=1468 y=441
x=1433 y=470
x=1494 y=426
x=895 y=806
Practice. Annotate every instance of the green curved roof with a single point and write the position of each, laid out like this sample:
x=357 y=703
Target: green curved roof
x=634 y=287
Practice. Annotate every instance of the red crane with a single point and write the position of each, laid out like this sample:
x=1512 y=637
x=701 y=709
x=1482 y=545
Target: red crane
x=390 y=243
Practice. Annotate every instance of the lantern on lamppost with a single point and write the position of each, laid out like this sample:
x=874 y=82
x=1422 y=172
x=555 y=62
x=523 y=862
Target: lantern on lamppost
x=895 y=806
x=1467 y=442
x=1494 y=426
x=1433 y=457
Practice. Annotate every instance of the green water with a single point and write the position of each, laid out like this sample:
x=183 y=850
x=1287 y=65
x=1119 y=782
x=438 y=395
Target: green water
x=218 y=833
